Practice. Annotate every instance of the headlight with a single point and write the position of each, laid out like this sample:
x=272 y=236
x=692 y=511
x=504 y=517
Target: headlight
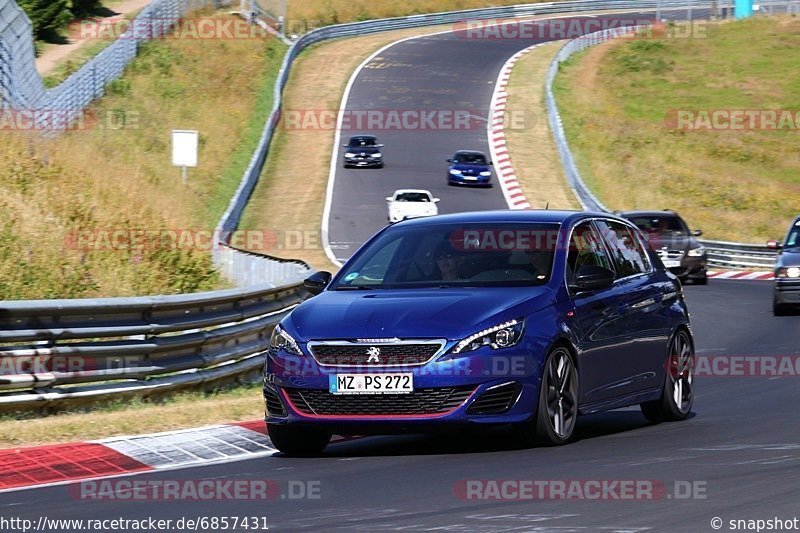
x=501 y=336
x=281 y=340
x=697 y=252
x=455 y=172
x=376 y=156
x=486 y=173
x=349 y=154
x=788 y=272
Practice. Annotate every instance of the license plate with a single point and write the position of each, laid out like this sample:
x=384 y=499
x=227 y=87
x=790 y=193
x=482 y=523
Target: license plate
x=371 y=383
x=470 y=178
x=671 y=264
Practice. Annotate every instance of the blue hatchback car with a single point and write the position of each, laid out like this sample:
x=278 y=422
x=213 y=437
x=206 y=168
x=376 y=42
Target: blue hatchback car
x=468 y=167
x=518 y=318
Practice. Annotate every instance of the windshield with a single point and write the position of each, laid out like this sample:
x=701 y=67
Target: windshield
x=413 y=197
x=793 y=240
x=356 y=142
x=661 y=226
x=447 y=255
x=470 y=159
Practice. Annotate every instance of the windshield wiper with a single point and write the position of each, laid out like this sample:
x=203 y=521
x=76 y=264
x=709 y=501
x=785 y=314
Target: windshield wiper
x=355 y=288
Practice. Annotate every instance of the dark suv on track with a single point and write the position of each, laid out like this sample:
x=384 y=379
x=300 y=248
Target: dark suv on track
x=670 y=237
x=786 y=289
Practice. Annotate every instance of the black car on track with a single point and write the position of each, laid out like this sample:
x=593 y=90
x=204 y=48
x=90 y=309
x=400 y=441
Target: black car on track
x=670 y=237
x=363 y=151
x=786 y=288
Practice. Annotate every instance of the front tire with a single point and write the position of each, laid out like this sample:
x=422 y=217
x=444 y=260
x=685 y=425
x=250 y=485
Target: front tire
x=677 y=395
x=298 y=440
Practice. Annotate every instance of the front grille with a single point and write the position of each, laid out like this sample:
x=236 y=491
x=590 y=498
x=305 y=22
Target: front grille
x=359 y=354
x=274 y=405
x=419 y=402
x=672 y=255
x=495 y=400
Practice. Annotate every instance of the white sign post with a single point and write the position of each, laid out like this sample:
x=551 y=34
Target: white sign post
x=184 y=150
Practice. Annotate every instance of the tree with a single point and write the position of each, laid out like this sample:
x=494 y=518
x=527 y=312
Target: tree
x=82 y=8
x=47 y=16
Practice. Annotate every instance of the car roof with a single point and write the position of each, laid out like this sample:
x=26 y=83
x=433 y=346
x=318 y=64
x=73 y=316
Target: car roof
x=363 y=137
x=626 y=214
x=401 y=191
x=520 y=215
x=470 y=152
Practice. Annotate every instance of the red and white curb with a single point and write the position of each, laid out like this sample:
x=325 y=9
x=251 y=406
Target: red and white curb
x=59 y=464
x=741 y=275
x=512 y=191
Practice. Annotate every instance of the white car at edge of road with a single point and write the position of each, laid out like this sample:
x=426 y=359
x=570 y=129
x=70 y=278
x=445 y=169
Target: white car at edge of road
x=411 y=203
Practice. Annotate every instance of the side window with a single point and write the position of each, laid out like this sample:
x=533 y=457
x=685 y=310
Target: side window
x=627 y=251
x=586 y=248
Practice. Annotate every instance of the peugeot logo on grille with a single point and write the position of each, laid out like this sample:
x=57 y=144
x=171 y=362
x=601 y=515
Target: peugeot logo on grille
x=373 y=352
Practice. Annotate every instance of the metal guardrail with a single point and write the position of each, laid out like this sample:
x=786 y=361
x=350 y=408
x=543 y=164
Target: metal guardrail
x=720 y=253
x=56 y=352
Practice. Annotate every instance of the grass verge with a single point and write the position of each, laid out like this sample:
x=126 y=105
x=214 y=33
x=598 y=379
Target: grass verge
x=182 y=411
x=530 y=142
x=63 y=199
x=735 y=184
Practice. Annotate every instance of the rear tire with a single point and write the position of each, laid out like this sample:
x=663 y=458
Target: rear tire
x=298 y=440
x=702 y=281
x=677 y=395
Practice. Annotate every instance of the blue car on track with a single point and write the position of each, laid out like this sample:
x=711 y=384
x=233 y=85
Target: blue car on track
x=468 y=167
x=518 y=318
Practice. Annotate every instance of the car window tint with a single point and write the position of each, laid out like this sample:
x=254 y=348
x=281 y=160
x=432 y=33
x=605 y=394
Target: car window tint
x=627 y=251
x=585 y=248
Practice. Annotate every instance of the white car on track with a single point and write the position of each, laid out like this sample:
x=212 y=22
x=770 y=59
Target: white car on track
x=411 y=203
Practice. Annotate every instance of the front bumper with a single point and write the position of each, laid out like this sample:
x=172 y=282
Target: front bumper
x=787 y=292
x=363 y=161
x=473 y=181
x=691 y=267
x=446 y=394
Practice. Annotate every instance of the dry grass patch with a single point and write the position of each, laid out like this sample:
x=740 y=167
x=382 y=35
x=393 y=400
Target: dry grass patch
x=181 y=412
x=118 y=175
x=737 y=185
x=530 y=144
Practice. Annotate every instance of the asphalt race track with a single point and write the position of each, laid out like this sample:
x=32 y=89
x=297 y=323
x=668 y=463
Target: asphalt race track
x=741 y=447
x=449 y=74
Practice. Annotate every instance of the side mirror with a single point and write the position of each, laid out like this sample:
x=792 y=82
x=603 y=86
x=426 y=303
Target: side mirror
x=388 y=198
x=380 y=146
x=435 y=200
x=317 y=282
x=344 y=146
x=592 y=278
x=697 y=232
x=774 y=245
x=449 y=160
x=490 y=163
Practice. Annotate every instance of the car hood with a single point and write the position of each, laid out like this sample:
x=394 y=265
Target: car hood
x=451 y=313
x=789 y=257
x=363 y=150
x=413 y=207
x=474 y=168
x=673 y=242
